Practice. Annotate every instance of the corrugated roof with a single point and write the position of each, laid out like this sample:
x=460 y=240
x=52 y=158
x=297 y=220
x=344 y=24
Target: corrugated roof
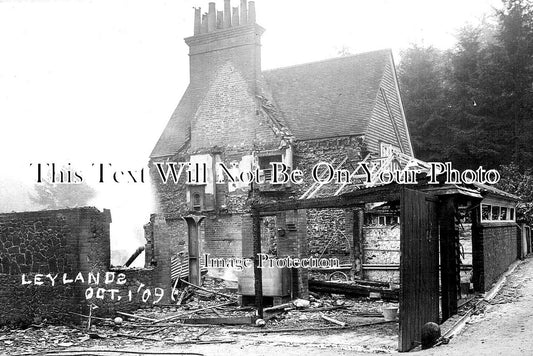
x=328 y=98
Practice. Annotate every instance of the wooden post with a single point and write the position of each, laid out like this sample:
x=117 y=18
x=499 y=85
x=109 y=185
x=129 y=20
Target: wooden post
x=193 y=222
x=358 y=221
x=448 y=257
x=478 y=260
x=258 y=275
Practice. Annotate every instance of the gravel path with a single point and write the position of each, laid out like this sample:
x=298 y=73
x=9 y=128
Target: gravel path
x=505 y=327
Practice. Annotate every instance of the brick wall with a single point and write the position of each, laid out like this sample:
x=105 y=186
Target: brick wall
x=239 y=45
x=137 y=291
x=494 y=249
x=47 y=258
x=171 y=197
x=22 y=305
x=223 y=235
x=230 y=103
x=47 y=242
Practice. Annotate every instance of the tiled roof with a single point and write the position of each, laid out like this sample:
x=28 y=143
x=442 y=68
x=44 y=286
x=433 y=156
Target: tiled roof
x=176 y=133
x=328 y=98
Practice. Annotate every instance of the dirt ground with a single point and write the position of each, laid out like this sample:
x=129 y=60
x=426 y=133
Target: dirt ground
x=504 y=327
x=141 y=337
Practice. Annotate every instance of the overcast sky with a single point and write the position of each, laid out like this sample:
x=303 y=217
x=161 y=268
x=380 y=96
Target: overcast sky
x=96 y=81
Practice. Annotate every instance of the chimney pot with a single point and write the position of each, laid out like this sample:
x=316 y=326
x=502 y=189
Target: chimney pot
x=244 y=12
x=203 y=29
x=227 y=13
x=235 y=17
x=220 y=19
x=251 y=12
x=197 y=20
x=211 y=17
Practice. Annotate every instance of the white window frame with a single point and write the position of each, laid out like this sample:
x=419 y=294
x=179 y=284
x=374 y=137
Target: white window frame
x=510 y=215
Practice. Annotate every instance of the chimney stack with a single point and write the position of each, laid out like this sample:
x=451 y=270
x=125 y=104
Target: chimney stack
x=227 y=13
x=225 y=36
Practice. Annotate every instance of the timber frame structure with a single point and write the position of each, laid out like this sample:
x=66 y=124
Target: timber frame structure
x=428 y=216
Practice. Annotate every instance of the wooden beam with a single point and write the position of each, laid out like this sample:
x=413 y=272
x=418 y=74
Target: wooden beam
x=478 y=265
x=347 y=200
x=241 y=320
x=351 y=289
x=258 y=275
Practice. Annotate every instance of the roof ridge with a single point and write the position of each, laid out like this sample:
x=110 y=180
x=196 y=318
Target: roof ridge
x=329 y=60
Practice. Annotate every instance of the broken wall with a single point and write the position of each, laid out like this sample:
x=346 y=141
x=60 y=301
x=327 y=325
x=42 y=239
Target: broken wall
x=381 y=253
x=327 y=233
x=48 y=257
x=327 y=236
x=41 y=243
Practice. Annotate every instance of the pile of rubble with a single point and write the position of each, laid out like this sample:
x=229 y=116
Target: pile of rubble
x=196 y=317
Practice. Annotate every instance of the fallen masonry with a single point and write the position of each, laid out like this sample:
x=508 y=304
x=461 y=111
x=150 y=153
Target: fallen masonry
x=210 y=316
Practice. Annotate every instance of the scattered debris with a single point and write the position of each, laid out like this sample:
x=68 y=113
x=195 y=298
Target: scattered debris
x=220 y=321
x=207 y=290
x=137 y=317
x=279 y=307
x=174 y=317
x=331 y=320
x=354 y=289
x=301 y=303
x=291 y=330
x=198 y=319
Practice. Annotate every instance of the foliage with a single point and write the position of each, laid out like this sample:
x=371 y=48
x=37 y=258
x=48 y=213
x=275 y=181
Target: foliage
x=421 y=80
x=521 y=184
x=57 y=196
x=473 y=104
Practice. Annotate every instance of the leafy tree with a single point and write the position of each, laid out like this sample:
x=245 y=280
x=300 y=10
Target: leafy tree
x=57 y=196
x=521 y=184
x=473 y=104
x=471 y=113
x=421 y=81
x=512 y=64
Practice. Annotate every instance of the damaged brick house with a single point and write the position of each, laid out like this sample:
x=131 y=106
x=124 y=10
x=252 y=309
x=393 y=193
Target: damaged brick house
x=337 y=111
